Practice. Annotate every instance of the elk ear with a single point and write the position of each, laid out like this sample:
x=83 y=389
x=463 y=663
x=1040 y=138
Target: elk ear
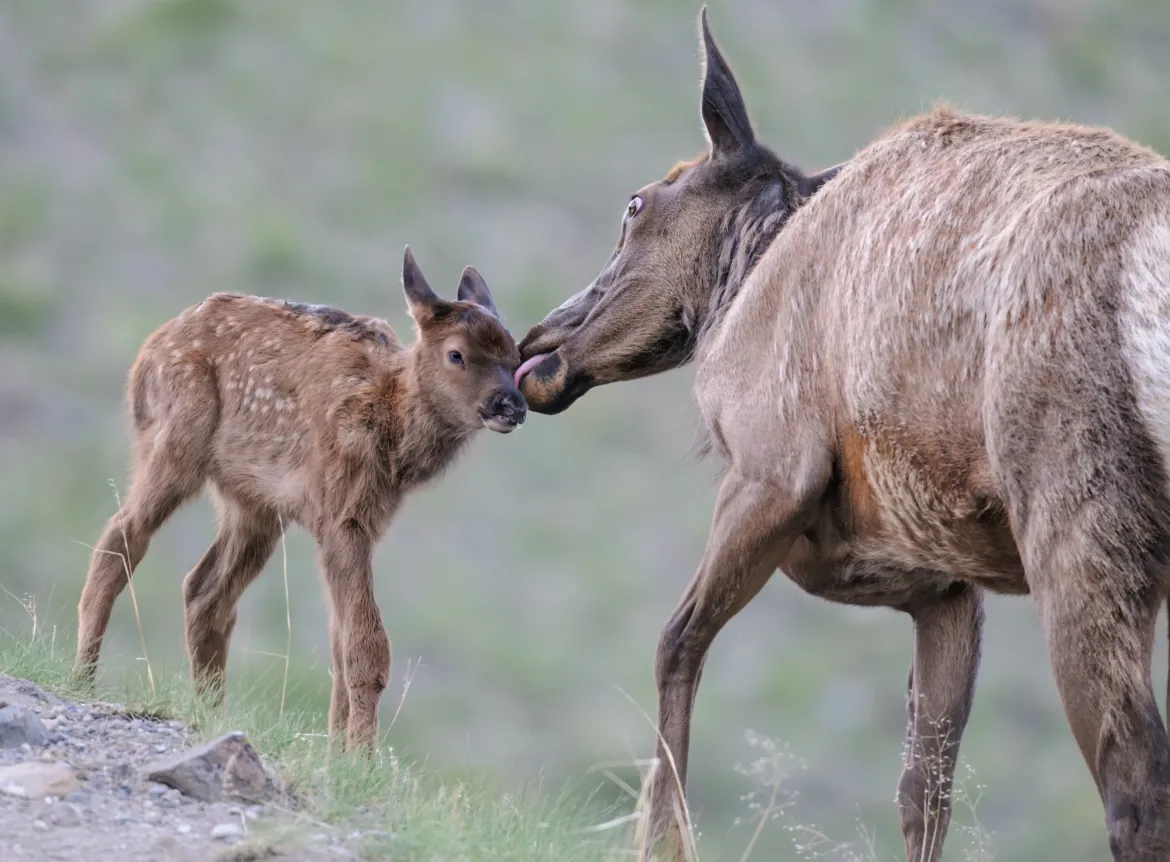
x=422 y=302
x=725 y=118
x=809 y=186
x=472 y=288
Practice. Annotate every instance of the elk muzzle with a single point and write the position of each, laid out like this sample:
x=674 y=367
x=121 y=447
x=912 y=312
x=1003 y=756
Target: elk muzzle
x=549 y=382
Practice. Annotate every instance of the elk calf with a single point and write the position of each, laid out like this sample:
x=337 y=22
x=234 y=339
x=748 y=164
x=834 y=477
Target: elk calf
x=301 y=413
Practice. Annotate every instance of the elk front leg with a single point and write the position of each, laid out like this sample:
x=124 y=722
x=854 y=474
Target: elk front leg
x=756 y=521
x=364 y=672
x=947 y=636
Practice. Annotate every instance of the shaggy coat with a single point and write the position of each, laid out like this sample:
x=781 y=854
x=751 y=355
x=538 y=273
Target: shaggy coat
x=939 y=369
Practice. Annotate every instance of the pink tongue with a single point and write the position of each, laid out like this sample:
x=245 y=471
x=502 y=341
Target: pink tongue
x=528 y=364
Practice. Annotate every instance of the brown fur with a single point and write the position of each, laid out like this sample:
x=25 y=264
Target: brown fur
x=681 y=167
x=292 y=412
x=944 y=371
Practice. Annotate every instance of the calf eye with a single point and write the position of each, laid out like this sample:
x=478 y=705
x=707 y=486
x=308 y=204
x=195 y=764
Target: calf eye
x=634 y=207
x=455 y=357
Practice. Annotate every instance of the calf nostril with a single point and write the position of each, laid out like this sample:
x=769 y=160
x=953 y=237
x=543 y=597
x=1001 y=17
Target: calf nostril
x=515 y=403
x=500 y=404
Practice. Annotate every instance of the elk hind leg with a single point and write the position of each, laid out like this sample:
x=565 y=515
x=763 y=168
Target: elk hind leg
x=1098 y=607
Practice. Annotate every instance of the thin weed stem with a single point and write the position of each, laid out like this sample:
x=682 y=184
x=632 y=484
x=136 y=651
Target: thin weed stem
x=287 y=614
x=133 y=593
x=681 y=810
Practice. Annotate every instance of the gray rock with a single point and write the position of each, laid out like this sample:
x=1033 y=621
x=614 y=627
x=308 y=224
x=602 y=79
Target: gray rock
x=65 y=815
x=34 y=780
x=19 y=726
x=226 y=831
x=222 y=769
x=21 y=692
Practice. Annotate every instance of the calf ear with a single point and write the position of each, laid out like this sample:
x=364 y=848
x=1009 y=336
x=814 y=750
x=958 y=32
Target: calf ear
x=725 y=118
x=809 y=186
x=472 y=288
x=422 y=302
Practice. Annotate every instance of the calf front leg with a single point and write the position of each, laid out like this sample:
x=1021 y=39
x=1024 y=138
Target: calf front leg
x=756 y=521
x=364 y=670
x=339 y=696
x=947 y=636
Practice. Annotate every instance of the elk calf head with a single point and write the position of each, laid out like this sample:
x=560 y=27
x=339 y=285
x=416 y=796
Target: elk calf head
x=466 y=359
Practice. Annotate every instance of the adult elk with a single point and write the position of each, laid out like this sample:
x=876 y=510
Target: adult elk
x=948 y=371
x=301 y=413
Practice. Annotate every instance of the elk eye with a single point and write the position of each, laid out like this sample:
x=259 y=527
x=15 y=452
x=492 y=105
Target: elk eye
x=634 y=207
x=455 y=357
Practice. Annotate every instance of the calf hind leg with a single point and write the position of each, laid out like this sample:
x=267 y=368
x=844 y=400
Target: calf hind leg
x=212 y=590
x=171 y=451
x=162 y=483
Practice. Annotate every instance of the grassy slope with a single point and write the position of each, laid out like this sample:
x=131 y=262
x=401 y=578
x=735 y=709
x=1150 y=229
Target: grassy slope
x=412 y=813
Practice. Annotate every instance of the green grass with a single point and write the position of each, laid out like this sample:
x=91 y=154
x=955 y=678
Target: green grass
x=388 y=807
x=405 y=812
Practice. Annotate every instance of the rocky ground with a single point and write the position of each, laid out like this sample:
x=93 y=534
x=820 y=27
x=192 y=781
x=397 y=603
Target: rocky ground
x=92 y=782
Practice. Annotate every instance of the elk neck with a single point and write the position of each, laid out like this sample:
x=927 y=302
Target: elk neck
x=746 y=232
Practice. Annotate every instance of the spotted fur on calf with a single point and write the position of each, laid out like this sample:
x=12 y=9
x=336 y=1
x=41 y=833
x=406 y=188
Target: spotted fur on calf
x=301 y=413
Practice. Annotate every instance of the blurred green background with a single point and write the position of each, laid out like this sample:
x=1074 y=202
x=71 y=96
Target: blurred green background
x=154 y=151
